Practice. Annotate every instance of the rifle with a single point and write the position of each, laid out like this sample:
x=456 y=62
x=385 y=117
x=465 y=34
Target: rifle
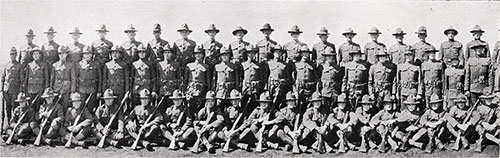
x=406 y=138
x=195 y=148
x=77 y=119
x=321 y=142
x=173 y=142
x=9 y=140
x=39 y=136
x=261 y=138
x=346 y=116
x=4 y=112
x=108 y=126
x=469 y=114
x=296 y=149
x=141 y=132
x=228 y=141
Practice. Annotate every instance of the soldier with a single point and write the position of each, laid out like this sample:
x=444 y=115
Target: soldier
x=477 y=32
x=347 y=47
x=75 y=48
x=478 y=73
x=355 y=81
x=102 y=46
x=455 y=121
x=286 y=120
x=131 y=45
x=453 y=81
x=114 y=133
x=280 y=75
x=184 y=47
x=143 y=75
x=361 y=123
x=406 y=124
x=24 y=50
x=212 y=47
x=397 y=50
x=177 y=121
x=432 y=123
x=305 y=76
x=225 y=74
x=254 y=77
x=451 y=48
x=231 y=114
x=408 y=80
x=331 y=75
x=381 y=78
x=383 y=122
x=198 y=75
x=293 y=47
x=374 y=47
x=50 y=48
x=136 y=121
x=36 y=77
x=169 y=77
x=51 y=112
x=323 y=47
x=12 y=78
x=78 y=130
x=422 y=45
x=340 y=123
x=209 y=121
x=238 y=49
x=63 y=77
x=116 y=75
x=432 y=76
x=23 y=132
x=486 y=119
x=88 y=78
x=266 y=45
x=314 y=124
x=157 y=44
x=495 y=55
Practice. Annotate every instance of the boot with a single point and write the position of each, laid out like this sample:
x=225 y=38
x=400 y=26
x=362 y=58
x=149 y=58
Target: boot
x=362 y=147
x=244 y=146
x=82 y=144
x=439 y=144
x=456 y=146
x=114 y=143
x=272 y=145
x=381 y=147
x=428 y=148
x=416 y=144
x=465 y=143
x=479 y=145
x=372 y=144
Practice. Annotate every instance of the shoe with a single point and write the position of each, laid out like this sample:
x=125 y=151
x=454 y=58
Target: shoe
x=272 y=145
x=22 y=141
x=244 y=146
x=288 y=147
x=83 y=144
x=465 y=143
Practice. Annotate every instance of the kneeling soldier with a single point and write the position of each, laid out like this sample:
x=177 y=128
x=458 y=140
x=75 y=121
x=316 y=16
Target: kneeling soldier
x=432 y=122
x=407 y=123
x=456 y=122
x=177 y=123
x=20 y=121
x=78 y=122
x=136 y=121
x=486 y=119
x=340 y=122
x=114 y=133
x=49 y=118
x=383 y=121
x=361 y=123
x=208 y=121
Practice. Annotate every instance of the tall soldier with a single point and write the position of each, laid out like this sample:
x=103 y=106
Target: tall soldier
x=451 y=48
x=406 y=125
x=36 y=76
x=477 y=32
x=397 y=50
x=102 y=46
x=225 y=74
x=169 y=77
x=51 y=112
x=254 y=77
x=63 y=77
x=361 y=123
x=373 y=48
x=486 y=119
x=293 y=47
x=381 y=78
x=50 y=48
x=12 y=79
x=355 y=81
x=212 y=47
x=479 y=73
x=24 y=130
x=130 y=46
x=330 y=75
x=495 y=55
x=238 y=48
x=343 y=55
x=339 y=124
x=408 y=80
x=306 y=77
x=265 y=46
x=454 y=78
x=143 y=75
x=104 y=113
x=432 y=76
x=198 y=75
x=184 y=47
x=88 y=78
x=422 y=45
x=280 y=75
x=75 y=48
x=157 y=44
x=323 y=47
x=24 y=50
x=116 y=74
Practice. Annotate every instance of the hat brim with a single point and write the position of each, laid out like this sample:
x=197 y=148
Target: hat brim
x=431 y=51
x=420 y=33
x=236 y=98
x=295 y=32
x=102 y=30
x=176 y=97
x=346 y=33
x=322 y=33
x=75 y=33
x=328 y=54
x=366 y=102
x=486 y=96
x=110 y=97
x=216 y=30
x=46 y=96
x=179 y=30
x=371 y=33
x=126 y=31
x=49 y=32
x=30 y=35
x=436 y=101
x=27 y=99
x=236 y=31
x=447 y=30
x=263 y=29
x=411 y=103
x=395 y=34
x=472 y=31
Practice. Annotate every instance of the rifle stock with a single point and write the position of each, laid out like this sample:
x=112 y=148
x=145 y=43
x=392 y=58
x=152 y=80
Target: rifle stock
x=261 y=138
x=9 y=140
x=138 y=138
x=195 y=148
x=173 y=142
x=108 y=126
x=39 y=136
x=456 y=146
x=296 y=149
x=77 y=119
x=228 y=141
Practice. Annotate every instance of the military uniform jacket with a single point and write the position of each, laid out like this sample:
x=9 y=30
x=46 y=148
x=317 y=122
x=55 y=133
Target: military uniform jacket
x=238 y=48
x=337 y=116
x=265 y=46
x=456 y=116
x=50 y=52
x=356 y=76
x=361 y=116
x=344 y=49
x=216 y=120
x=88 y=77
x=253 y=75
x=372 y=49
x=155 y=45
x=24 y=53
x=478 y=74
x=104 y=113
x=63 y=76
x=184 y=49
x=420 y=47
x=102 y=47
x=116 y=76
x=232 y=113
x=130 y=54
x=469 y=53
x=169 y=76
x=449 y=49
x=75 y=51
x=407 y=116
x=292 y=50
x=57 y=112
x=485 y=114
x=408 y=79
x=313 y=118
x=432 y=116
x=433 y=76
x=173 y=113
x=381 y=77
x=212 y=50
x=454 y=81
x=140 y=114
x=397 y=51
x=18 y=111
x=495 y=55
x=198 y=77
x=279 y=73
x=322 y=48
x=258 y=113
x=286 y=117
x=383 y=115
x=225 y=76
x=12 y=76
x=85 y=119
x=331 y=76
x=143 y=76
x=36 y=77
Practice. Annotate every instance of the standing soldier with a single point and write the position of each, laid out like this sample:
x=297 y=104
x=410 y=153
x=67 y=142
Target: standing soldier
x=157 y=44
x=104 y=113
x=432 y=76
x=184 y=47
x=143 y=75
x=355 y=81
x=198 y=75
x=136 y=121
x=305 y=77
x=361 y=123
x=347 y=47
x=383 y=123
x=456 y=124
x=225 y=74
x=12 y=78
x=75 y=48
x=24 y=50
x=266 y=45
x=495 y=55
x=293 y=47
x=88 y=78
x=432 y=123
x=408 y=80
x=254 y=77
x=63 y=77
x=169 y=77
x=50 y=48
x=177 y=124
x=51 y=112
x=208 y=122
x=323 y=47
x=238 y=48
x=80 y=130
x=422 y=45
x=280 y=75
x=478 y=73
x=331 y=75
x=24 y=130
x=486 y=119
x=374 y=47
x=381 y=78
x=102 y=46
x=477 y=32
x=36 y=77
x=453 y=81
x=212 y=47
x=406 y=125
x=451 y=48
x=116 y=74
x=131 y=45
x=397 y=50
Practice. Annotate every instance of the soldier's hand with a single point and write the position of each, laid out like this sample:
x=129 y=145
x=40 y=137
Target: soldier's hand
x=44 y=114
x=173 y=125
x=71 y=128
x=419 y=96
x=177 y=133
x=105 y=131
x=371 y=125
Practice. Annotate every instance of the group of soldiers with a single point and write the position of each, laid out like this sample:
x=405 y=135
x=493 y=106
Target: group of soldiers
x=254 y=97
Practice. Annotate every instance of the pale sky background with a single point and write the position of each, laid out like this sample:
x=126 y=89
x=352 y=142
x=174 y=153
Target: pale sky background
x=18 y=16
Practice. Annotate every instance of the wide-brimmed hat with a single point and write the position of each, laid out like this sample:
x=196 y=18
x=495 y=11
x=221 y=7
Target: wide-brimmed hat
x=411 y=100
x=290 y=96
x=62 y=49
x=22 y=97
x=277 y=47
x=387 y=99
x=461 y=98
x=451 y=29
x=266 y=26
x=76 y=31
x=48 y=92
x=409 y=51
x=476 y=28
x=366 y=99
x=295 y=29
x=184 y=27
x=487 y=94
x=374 y=30
x=36 y=49
x=323 y=31
x=342 y=98
x=398 y=31
x=304 y=49
x=210 y=95
x=354 y=51
x=156 y=27
x=30 y=33
x=177 y=94
x=130 y=28
x=13 y=50
x=116 y=48
x=349 y=31
x=141 y=48
x=221 y=95
x=50 y=31
x=75 y=97
x=145 y=93
x=239 y=28
x=224 y=51
x=316 y=96
x=421 y=30
x=264 y=97
x=328 y=51
x=212 y=27
x=108 y=94
x=431 y=50
x=198 y=49
x=87 y=50
x=235 y=95
x=382 y=53
x=102 y=28
x=435 y=99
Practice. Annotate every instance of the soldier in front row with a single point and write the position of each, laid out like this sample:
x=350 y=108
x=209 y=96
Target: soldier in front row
x=51 y=112
x=12 y=74
x=456 y=123
x=231 y=114
x=78 y=122
x=383 y=124
x=287 y=126
x=177 y=123
x=361 y=124
x=432 y=123
x=116 y=132
x=315 y=123
x=136 y=124
x=209 y=121
x=27 y=113
x=406 y=124
x=486 y=119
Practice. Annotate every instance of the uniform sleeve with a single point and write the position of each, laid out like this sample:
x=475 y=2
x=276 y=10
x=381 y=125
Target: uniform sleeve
x=100 y=85
x=87 y=118
x=67 y=118
x=495 y=55
x=450 y=116
x=476 y=117
x=307 y=122
x=331 y=120
x=491 y=75
x=132 y=76
x=24 y=83
x=46 y=75
x=52 y=79
x=74 y=77
x=466 y=51
x=189 y=121
x=3 y=77
x=467 y=77
x=420 y=87
x=376 y=119
x=219 y=119
x=425 y=117
x=344 y=80
x=371 y=89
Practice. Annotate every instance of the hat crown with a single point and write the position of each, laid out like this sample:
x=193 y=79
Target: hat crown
x=146 y=94
x=87 y=49
x=102 y=27
x=108 y=93
x=411 y=99
x=184 y=26
x=130 y=27
x=323 y=30
x=366 y=99
x=116 y=48
x=76 y=96
x=22 y=97
x=278 y=47
x=141 y=47
x=51 y=29
x=476 y=28
x=435 y=98
x=387 y=98
x=210 y=95
x=30 y=32
x=349 y=30
x=316 y=96
x=13 y=50
x=341 y=98
x=291 y=96
x=266 y=26
x=157 y=27
x=398 y=31
x=374 y=30
x=295 y=28
x=76 y=30
x=422 y=29
x=211 y=27
x=235 y=94
x=238 y=28
x=461 y=98
x=265 y=96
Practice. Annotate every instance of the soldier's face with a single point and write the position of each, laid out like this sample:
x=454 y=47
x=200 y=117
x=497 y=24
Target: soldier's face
x=382 y=58
x=76 y=104
x=235 y=102
x=455 y=62
x=49 y=100
x=157 y=34
x=142 y=54
x=435 y=106
x=431 y=55
x=460 y=105
x=23 y=103
x=291 y=104
x=210 y=103
x=323 y=37
x=240 y=34
x=409 y=57
x=63 y=55
x=115 y=55
x=87 y=56
x=388 y=106
x=29 y=39
x=341 y=106
x=168 y=54
x=349 y=37
x=450 y=35
x=422 y=37
x=411 y=107
x=316 y=104
x=356 y=57
x=145 y=101
x=374 y=37
x=264 y=105
x=399 y=38
x=109 y=101
x=225 y=57
x=184 y=34
x=329 y=58
x=13 y=56
x=131 y=35
x=267 y=32
x=75 y=37
x=101 y=34
x=177 y=102
x=477 y=35
x=295 y=36
x=367 y=107
x=198 y=56
x=50 y=36
x=36 y=55
x=211 y=34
